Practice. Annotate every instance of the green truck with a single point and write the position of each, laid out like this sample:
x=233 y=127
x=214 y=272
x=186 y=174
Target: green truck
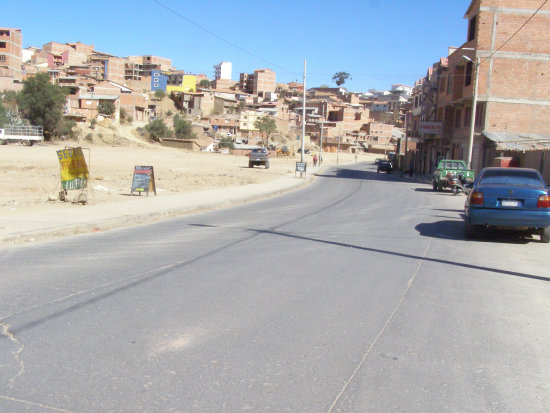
x=448 y=168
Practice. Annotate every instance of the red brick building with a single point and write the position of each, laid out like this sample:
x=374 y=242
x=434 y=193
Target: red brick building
x=10 y=56
x=507 y=50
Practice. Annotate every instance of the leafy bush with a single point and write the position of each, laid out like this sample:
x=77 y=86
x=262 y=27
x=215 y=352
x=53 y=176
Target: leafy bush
x=68 y=129
x=226 y=143
x=159 y=94
x=204 y=83
x=106 y=107
x=158 y=129
x=182 y=128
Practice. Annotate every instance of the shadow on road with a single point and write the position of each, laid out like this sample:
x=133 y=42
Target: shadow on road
x=430 y=230
x=451 y=227
x=454 y=229
x=349 y=173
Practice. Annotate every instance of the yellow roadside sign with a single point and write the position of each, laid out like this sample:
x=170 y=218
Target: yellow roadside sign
x=74 y=170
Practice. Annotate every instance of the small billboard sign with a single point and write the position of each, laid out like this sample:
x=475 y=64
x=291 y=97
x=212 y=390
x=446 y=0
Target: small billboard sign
x=74 y=170
x=430 y=127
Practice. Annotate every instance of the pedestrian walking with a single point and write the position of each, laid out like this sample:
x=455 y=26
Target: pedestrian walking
x=315 y=160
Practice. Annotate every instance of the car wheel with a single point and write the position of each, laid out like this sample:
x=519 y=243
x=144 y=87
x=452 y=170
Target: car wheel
x=267 y=165
x=469 y=231
x=434 y=185
x=440 y=186
x=378 y=171
x=250 y=164
x=3 y=142
x=455 y=191
x=545 y=236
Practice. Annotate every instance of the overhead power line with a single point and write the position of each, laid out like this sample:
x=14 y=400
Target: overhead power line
x=516 y=32
x=204 y=29
x=452 y=73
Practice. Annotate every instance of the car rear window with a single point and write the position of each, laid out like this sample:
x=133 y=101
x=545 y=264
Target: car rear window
x=511 y=177
x=453 y=165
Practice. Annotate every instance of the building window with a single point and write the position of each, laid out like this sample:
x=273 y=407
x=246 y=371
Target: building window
x=458 y=116
x=2 y=57
x=472 y=28
x=442 y=84
x=480 y=111
x=3 y=45
x=468 y=75
x=449 y=84
x=467 y=115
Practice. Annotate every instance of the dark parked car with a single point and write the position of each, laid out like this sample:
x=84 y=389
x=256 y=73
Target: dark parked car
x=258 y=157
x=384 y=166
x=509 y=199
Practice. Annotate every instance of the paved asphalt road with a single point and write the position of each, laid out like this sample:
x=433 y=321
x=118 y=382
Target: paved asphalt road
x=355 y=294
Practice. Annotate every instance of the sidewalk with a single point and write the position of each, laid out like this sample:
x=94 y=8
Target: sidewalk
x=63 y=219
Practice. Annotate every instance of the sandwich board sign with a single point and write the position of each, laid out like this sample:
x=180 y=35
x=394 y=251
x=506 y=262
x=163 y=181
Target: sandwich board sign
x=300 y=167
x=144 y=180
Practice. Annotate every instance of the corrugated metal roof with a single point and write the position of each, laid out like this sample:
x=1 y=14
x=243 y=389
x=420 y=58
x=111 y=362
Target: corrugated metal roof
x=97 y=96
x=523 y=142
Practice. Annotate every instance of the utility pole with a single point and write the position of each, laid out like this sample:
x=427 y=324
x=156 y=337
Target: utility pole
x=321 y=139
x=303 y=116
x=473 y=116
x=338 y=150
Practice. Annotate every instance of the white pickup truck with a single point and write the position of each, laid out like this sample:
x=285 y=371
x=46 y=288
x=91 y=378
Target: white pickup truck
x=27 y=135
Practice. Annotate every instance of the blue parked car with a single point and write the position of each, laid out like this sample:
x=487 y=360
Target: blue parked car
x=509 y=199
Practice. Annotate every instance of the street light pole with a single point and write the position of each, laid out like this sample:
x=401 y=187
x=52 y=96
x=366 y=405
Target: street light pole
x=473 y=116
x=303 y=116
x=321 y=139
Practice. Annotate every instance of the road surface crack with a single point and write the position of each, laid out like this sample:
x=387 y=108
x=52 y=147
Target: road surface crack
x=17 y=353
x=380 y=333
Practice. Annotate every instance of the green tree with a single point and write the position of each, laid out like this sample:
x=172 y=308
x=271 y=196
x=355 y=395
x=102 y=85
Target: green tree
x=106 y=107
x=9 y=98
x=226 y=142
x=205 y=83
x=158 y=129
x=4 y=119
x=68 y=129
x=340 y=78
x=267 y=126
x=182 y=128
x=42 y=103
x=159 y=94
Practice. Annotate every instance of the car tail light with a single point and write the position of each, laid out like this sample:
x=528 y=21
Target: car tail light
x=476 y=198
x=544 y=201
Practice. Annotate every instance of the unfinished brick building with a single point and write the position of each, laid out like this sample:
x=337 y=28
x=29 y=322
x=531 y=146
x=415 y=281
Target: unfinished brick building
x=10 y=57
x=507 y=49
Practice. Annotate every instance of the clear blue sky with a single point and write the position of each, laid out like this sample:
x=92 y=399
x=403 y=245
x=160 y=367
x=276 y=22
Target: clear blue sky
x=379 y=42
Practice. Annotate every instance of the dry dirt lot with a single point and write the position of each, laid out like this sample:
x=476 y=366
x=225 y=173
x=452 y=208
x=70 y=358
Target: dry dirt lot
x=31 y=175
